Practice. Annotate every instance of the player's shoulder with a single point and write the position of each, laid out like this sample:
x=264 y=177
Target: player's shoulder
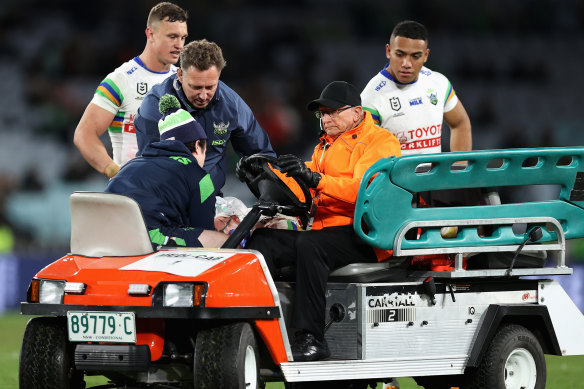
x=126 y=69
x=122 y=74
x=428 y=75
x=376 y=84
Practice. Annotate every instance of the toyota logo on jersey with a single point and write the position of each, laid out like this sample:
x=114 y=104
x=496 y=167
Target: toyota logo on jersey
x=421 y=139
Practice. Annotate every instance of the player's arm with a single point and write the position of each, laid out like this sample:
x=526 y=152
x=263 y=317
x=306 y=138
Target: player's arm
x=370 y=102
x=93 y=124
x=212 y=239
x=374 y=114
x=460 y=128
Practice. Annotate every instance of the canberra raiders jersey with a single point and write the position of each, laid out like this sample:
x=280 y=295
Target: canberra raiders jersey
x=412 y=112
x=121 y=93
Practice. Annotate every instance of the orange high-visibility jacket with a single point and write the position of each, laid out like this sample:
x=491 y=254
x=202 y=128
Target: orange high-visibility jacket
x=342 y=163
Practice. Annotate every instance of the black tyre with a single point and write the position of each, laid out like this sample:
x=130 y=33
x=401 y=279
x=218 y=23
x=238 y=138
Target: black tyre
x=226 y=358
x=514 y=360
x=46 y=356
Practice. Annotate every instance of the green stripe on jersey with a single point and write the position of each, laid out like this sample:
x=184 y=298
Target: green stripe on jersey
x=113 y=85
x=206 y=187
x=180 y=242
x=157 y=237
x=448 y=90
x=373 y=112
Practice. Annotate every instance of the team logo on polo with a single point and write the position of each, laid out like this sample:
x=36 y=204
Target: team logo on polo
x=221 y=128
x=142 y=88
x=395 y=104
x=433 y=96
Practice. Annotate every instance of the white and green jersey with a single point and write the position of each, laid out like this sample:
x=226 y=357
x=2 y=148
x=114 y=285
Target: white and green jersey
x=121 y=93
x=412 y=112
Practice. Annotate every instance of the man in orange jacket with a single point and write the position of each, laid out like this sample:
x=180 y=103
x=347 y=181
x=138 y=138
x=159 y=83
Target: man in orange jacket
x=350 y=144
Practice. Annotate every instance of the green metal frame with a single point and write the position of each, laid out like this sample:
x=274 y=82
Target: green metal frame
x=384 y=202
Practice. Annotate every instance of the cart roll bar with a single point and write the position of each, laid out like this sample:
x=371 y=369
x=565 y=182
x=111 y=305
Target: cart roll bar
x=384 y=202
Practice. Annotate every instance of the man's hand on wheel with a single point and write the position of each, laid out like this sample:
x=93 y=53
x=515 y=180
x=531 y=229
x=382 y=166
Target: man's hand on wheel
x=295 y=167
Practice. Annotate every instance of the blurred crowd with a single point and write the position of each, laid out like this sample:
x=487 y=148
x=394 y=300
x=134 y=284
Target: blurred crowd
x=513 y=64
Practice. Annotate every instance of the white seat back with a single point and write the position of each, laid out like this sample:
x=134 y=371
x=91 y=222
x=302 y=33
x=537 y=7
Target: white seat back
x=107 y=224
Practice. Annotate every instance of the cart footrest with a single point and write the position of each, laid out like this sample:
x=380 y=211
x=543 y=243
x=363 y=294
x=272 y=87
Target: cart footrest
x=112 y=357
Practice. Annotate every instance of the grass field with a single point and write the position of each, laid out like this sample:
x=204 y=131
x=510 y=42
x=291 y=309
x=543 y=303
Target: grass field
x=563 y=372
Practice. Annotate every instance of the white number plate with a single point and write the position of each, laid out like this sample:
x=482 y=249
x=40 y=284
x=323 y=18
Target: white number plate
x=116 y=327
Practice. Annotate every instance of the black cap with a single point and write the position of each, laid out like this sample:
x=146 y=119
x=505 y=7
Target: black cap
x=335 y=95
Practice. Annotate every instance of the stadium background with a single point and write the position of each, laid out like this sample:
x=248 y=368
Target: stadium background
x=516 y=66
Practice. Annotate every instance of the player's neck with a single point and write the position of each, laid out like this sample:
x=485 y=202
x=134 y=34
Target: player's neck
x=152 y=63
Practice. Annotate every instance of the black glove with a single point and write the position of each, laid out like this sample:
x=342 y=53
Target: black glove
x=246 y=169
x=295 y=167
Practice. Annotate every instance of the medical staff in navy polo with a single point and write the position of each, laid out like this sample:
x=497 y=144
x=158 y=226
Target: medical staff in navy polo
x=216 y=107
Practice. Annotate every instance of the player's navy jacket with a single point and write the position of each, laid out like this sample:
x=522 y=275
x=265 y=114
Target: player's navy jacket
x=171 y=188
x=226 y=118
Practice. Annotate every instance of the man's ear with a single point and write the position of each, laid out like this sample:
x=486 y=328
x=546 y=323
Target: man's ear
x=179 y=74
x=149 y=33
x=199 y=146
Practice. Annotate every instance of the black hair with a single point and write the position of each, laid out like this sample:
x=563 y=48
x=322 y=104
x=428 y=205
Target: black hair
x=192 y=146
x=410 y=29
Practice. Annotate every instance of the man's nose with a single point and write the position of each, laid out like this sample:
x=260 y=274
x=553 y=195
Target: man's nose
x=326 y=118
x=406 y=62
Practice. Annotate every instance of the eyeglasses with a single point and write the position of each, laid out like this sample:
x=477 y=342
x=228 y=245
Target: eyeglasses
x=332 y=114
x=226 y=224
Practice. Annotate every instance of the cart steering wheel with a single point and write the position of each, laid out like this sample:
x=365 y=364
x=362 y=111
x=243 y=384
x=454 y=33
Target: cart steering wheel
x=273 y=196
x=269 y=188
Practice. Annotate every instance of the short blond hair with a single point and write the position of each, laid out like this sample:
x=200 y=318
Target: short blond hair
x=202 y=54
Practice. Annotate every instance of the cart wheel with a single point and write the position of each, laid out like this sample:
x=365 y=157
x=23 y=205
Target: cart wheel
x=514 y=360
x=46 y=356
x=226 y=357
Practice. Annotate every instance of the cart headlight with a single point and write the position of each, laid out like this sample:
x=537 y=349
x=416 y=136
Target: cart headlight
x=51 y=291
x=183 y=295
x=178 y=295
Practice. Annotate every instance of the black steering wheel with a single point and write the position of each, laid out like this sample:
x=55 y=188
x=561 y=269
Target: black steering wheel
x=268 y=187
x=273 y=196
